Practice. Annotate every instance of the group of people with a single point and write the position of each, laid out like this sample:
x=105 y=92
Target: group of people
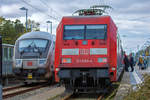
x=143 y=63
x=129 y=61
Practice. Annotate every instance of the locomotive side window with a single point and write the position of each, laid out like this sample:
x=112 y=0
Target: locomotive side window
x=73 y=32
x=96 y=31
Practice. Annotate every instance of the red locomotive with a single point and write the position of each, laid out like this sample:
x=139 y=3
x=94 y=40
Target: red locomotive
x=88 y=53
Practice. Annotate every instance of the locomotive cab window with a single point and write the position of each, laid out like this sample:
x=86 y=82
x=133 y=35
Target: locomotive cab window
x=33 y=45
x=80 y=32
x=96 y=31
x=73 y=32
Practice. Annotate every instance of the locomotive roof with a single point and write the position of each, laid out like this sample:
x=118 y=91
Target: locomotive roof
x=36 y=34
x=89 y=18
x=96 y=16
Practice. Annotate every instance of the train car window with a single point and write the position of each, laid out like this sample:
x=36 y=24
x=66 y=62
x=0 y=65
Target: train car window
x=10 y=53
x=73 y=32
x=5 y=54
x=96 y=31
x=33 y=45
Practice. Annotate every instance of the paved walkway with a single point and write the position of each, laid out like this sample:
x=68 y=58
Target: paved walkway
x=144 y=71
x=130 y=81
x=124 y=87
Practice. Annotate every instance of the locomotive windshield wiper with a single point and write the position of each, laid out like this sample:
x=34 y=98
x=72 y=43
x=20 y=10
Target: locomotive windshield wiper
x=38 y=50
x=22 y=52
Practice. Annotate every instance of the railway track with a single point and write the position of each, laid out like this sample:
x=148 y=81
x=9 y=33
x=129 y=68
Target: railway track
x=69 y=96
x=12 y=88
x=13 y=91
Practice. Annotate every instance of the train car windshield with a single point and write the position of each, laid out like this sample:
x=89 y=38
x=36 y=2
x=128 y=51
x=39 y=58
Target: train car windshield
x=96 y=31
x=32 y=45
x=77 y=32
x=73 y=32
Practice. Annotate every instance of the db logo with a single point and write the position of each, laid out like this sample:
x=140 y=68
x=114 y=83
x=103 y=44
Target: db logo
x=84 y=51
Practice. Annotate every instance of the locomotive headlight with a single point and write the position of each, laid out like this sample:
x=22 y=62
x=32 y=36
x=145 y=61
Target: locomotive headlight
x=18 y=62
x=42 y=61
x=57 y=69
x=113 y=68
x=66 y=60
x=102 y=60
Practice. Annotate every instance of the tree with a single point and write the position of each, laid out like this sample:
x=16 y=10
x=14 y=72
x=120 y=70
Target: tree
x=11 y=30
x=34 y=25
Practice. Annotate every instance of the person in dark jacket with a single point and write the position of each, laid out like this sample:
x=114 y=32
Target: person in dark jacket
x=126 y=62
x=131 y=62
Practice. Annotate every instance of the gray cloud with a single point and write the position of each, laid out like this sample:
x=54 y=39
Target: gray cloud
x=131 y=16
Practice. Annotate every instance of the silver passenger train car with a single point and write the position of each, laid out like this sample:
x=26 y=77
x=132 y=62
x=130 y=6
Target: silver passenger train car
x=34 y=57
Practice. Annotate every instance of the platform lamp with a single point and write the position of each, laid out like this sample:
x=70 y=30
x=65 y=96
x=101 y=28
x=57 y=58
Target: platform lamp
x=0 y=67
x=47 y=26
x=23 y=8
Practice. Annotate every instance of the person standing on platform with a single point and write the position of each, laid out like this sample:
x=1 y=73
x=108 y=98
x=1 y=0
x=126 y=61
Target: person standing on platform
x=126 y=62
x=140 y=63
x=145 y=62
x=131 y=62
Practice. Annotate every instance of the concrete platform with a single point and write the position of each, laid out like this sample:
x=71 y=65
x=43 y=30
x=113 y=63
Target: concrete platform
x=130 y=81
x=144 y=71
x=124 y=87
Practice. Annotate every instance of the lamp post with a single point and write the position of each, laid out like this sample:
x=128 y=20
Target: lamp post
x=47 y=26
x=23 y=8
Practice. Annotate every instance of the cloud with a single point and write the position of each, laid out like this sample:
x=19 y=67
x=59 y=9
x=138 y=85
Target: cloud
x=10 y=10
x=131 y=16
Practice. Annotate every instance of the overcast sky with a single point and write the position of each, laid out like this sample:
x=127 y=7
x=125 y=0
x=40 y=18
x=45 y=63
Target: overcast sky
x=132 y=17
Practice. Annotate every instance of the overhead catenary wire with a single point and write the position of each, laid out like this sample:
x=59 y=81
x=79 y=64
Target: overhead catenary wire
x=50 y=7
x=53 y=17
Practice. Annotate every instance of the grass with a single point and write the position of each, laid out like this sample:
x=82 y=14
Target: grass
x=143 y=93
x=112 y=93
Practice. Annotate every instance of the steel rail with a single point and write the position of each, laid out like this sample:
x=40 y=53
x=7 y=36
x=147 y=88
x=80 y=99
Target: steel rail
x=12 y=88
x=22 y=91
